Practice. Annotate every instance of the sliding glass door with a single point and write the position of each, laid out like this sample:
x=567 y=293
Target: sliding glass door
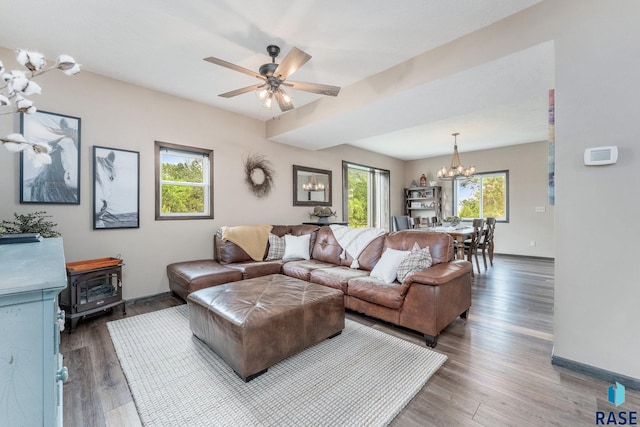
x=365 y=196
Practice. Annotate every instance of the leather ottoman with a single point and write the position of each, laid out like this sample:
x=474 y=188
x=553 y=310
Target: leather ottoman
x=254 y=323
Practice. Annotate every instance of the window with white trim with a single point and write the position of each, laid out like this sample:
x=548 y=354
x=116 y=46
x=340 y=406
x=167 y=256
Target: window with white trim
x=184 y=182
x=482 y=195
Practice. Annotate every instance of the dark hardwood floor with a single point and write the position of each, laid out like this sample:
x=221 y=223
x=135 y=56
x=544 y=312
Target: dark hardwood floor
x=498 y=371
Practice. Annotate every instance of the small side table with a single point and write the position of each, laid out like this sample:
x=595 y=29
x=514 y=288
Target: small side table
x=93 y=287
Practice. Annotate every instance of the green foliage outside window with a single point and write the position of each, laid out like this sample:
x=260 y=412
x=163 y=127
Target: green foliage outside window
x=358 y=203
x=493 y=197
x=182 y=198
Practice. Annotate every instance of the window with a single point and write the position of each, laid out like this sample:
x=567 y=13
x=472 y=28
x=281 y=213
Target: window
x=365 y=200
x=184 y=182
x=481 y=196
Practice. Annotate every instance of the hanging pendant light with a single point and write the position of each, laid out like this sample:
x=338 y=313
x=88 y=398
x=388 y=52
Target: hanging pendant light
x=456 y=169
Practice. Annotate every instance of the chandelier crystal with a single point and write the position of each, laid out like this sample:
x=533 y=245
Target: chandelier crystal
x=456 y=169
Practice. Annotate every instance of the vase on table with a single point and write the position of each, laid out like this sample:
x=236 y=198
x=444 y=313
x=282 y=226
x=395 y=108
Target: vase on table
x=323 y=219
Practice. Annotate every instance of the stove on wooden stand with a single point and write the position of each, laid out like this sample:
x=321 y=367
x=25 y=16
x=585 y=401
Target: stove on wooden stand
x=93 y=287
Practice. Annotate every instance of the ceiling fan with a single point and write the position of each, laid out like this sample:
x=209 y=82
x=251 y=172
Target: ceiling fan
x=274 y=77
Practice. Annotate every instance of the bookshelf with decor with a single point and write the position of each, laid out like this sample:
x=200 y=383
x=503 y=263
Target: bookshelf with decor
x=422 y=203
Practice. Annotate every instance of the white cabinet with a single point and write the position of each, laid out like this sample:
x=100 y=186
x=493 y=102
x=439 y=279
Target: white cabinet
x=31 y=372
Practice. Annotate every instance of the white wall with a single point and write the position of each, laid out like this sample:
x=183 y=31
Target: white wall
x=119 y=115
x=597 y=58
x=528 y=189
x=597 y=103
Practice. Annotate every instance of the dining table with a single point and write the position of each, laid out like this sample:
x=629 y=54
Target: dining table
x=459 y=233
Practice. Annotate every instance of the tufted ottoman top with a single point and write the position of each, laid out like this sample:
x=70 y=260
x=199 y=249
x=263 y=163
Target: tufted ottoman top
x=257 y=322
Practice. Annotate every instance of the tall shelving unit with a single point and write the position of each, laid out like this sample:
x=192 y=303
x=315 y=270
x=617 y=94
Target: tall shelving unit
x=423 y=203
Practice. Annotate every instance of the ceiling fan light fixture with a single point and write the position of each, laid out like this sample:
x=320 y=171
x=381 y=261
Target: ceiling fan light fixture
x=274 y=75
x=262 y=92
x=285 y=96
x=267 y=102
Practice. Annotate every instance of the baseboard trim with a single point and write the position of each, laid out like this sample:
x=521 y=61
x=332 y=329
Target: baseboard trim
x=542 y=258
x=603 y=374
x=147 y=298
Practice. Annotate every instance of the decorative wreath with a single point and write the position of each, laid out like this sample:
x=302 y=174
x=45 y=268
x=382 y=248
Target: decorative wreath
x=257 y=165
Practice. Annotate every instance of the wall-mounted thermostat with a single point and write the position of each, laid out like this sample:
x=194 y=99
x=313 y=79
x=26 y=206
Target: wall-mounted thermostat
x=601 y=156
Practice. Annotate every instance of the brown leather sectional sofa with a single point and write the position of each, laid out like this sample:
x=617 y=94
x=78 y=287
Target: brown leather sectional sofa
x=427 y=301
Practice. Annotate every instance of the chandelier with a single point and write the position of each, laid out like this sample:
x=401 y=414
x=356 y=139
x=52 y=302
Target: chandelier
x=313 y=184
x=456 y=169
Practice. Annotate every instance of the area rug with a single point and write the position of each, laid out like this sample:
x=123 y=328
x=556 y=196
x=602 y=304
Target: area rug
x=362 y=377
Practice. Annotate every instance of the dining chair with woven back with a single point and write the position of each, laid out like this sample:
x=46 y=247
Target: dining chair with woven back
x=471 y=245
x=486 y=243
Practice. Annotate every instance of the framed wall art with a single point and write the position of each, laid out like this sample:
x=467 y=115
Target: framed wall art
x=116 y=188
x=59 y=181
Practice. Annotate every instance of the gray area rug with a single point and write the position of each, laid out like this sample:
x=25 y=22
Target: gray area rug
x=362 y=377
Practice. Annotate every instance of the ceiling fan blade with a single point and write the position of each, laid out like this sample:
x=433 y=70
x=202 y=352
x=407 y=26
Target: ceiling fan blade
x=294 y=60
x=240 y=91
x=313 y=88
x=282 y=102
x=234 y=67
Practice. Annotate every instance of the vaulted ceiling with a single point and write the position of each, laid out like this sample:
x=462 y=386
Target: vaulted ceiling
x=160 y=44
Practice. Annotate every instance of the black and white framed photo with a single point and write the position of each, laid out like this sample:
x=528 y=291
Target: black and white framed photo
x=57 y=182
x=116 y=188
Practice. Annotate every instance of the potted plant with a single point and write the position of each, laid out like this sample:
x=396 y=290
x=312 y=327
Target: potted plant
x=322 y=213
x=30 y=223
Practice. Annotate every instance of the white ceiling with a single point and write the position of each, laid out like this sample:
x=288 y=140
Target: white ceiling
x=160 y=44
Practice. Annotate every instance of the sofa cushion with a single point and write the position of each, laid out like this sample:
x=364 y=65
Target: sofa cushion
x=226 y=252
x=418 y=259
x=386 y=269
x=296 y=247
x=335 y=277
x=376 y=291
x=370 y=255
x=253 y=239
x=440 y=244
x=188 y=276
x=326 y=247
x=276 y=247
x=302 y=269
x=253 y=269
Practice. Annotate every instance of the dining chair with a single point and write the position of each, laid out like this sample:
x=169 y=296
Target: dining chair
x=486 y=243
x=471 y=245
x=404 y=222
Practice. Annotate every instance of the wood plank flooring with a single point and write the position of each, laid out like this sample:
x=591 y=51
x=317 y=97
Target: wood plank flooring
x=498 y=372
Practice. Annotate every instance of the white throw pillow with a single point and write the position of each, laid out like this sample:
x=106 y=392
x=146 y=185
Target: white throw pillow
x=386 y=269
x=296 y=247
